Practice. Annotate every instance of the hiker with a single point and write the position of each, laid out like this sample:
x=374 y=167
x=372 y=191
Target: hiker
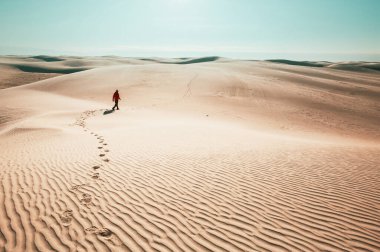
x=116 y=98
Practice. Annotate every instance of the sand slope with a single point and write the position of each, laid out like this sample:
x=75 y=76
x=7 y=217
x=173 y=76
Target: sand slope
x=18 y=70
x=205 y=154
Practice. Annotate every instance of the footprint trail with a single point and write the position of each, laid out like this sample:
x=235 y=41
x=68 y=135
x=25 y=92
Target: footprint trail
x=86 y=199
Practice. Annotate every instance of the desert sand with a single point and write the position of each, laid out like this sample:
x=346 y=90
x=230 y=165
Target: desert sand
x=205 y=154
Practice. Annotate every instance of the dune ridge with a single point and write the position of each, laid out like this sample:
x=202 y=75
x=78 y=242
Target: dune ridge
x=18 y=70
x=348 y=66
x=239 y=156
x=47 y=58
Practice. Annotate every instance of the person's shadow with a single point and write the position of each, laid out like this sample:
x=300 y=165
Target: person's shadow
x=108 y=111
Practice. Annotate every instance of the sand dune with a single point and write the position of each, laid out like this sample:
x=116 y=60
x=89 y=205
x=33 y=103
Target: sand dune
x=349 y=66
x=300 y=63
x=207 y=155
x=47 y=58
x=17 y=70
x=183 y=61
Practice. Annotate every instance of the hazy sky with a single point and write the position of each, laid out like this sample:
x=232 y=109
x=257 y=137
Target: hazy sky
x=258 y=29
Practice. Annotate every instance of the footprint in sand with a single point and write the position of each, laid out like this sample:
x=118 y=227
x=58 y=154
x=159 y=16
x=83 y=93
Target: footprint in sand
x=95 y=167
x=76 y=187
x=106 y=150
x=86 y=199
x=66 y=217
x=100 y=147
x=102 y=155
x=91 y=229
x=104 y=233
x=95 y=175
x=104 y=144
x=106 y=160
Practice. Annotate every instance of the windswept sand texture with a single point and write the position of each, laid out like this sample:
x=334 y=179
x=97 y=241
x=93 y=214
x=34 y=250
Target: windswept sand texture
x=205 y=154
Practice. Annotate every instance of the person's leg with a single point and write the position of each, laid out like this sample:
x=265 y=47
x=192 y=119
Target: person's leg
x=113 y=108
x=117 y=104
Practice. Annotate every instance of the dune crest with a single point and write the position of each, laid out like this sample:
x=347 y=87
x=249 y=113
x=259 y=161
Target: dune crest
x=348 y=66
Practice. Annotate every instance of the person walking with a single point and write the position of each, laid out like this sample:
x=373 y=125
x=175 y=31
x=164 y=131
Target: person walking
x=116 y=98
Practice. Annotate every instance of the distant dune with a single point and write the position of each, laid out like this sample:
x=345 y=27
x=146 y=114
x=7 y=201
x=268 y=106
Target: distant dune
x=300 y=63
x=199 y=60
x=16 y=70
x=205 y=154
x=348 y=66
x=44 y=69
x=183 y=60
x=47 y=58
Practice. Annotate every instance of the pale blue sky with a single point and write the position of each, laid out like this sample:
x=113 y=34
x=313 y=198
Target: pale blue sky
x=257 y=29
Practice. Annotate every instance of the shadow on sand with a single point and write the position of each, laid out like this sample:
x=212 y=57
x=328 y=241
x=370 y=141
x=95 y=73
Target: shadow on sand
x=108 y=111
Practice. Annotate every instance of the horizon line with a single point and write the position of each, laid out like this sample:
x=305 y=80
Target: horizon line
x=188 y=57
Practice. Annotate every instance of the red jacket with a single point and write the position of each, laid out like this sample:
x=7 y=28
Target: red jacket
x=116 y=96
